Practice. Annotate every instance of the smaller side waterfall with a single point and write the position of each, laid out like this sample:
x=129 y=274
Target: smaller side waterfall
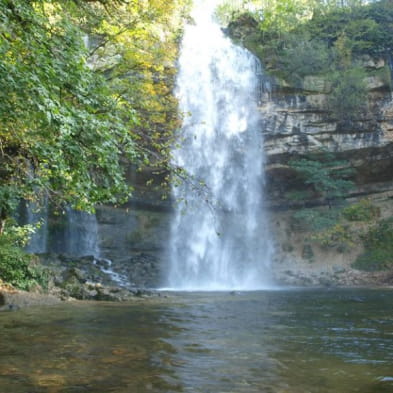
x=37 y=216
x=81 y=235
x=390 y=64
x=75 y=233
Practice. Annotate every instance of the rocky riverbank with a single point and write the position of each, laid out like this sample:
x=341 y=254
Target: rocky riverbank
x=339 y=277
x=71 y=278
x=12 y=299
x=75 y=279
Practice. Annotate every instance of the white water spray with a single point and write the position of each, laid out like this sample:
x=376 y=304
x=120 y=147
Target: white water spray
x=219 y=235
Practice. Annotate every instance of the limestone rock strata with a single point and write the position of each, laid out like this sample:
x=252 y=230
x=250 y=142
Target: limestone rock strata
x=297 y=122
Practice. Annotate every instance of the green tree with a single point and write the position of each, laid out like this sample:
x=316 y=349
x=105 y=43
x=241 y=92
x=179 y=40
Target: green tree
x=136 y=48
x=72 y=116
x=327 y=177
x=348 y=97
x=378 y=244
x=60 y=128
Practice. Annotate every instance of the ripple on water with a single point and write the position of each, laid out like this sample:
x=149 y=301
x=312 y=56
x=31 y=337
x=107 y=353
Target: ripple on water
x=256 y=342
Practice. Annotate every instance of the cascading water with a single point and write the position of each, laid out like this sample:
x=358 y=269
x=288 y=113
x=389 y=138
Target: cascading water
x=77 y=238
x=38 y=216
x=219 y=236
x=390 y=64
x=81 y=234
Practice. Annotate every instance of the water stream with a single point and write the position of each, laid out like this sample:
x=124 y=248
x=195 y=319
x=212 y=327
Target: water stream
x=219 y=235
x=37 y=216
x=389 y=58
x=296 y=341
x=81 y=235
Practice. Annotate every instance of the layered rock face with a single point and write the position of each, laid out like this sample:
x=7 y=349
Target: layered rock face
x=297 y=122
x=134 y=236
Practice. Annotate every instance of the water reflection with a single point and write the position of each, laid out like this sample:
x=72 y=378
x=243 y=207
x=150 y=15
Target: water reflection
x=84 y=348
x=274 y=342
x=287 y=341
x=225 y=344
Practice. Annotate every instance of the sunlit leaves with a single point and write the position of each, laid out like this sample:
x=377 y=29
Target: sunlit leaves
x=56 y=114
x=70 y=115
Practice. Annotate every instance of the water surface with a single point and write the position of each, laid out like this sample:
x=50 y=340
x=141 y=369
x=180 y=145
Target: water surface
x=298 y=341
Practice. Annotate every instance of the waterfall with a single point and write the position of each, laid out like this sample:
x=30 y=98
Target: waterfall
x=77 y=237
x=219 y=235
x=81 y=234
x=389 y=59
x=37 y=215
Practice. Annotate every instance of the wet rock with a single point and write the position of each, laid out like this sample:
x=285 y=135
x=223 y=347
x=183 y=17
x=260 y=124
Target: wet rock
x=9 y=307
x=142 y=270
x=325 y=281
x=337 y=269
x=308 y=252
x=89 y=278
x=74 y=274
x=102 y=263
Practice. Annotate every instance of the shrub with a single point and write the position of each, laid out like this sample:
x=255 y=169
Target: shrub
x=315 y=220
x=327 y=176
x=338 y=236
x=364 y=210
x=301 y=57
x=349 y=93
x=374 y=260
x=378 y=243
x=16 y=267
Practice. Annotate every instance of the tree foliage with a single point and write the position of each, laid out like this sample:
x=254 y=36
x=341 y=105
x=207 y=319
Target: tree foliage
x=296 y=38
x=349 y=93
x=71 y=115
x=16 y=267
x=60 y=131
x=378 y=243
x=328 y=177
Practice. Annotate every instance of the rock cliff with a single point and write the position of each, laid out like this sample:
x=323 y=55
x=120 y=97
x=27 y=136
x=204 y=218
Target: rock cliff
x=297 y=122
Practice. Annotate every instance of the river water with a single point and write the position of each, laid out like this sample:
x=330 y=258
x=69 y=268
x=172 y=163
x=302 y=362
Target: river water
x=288 y=341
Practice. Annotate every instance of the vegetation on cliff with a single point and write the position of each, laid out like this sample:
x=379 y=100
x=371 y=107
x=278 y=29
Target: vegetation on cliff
x=378 y=254
x=329 y=221
x=327 y=179
x=324 y=176
x=85 y=88
x=297 y=38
